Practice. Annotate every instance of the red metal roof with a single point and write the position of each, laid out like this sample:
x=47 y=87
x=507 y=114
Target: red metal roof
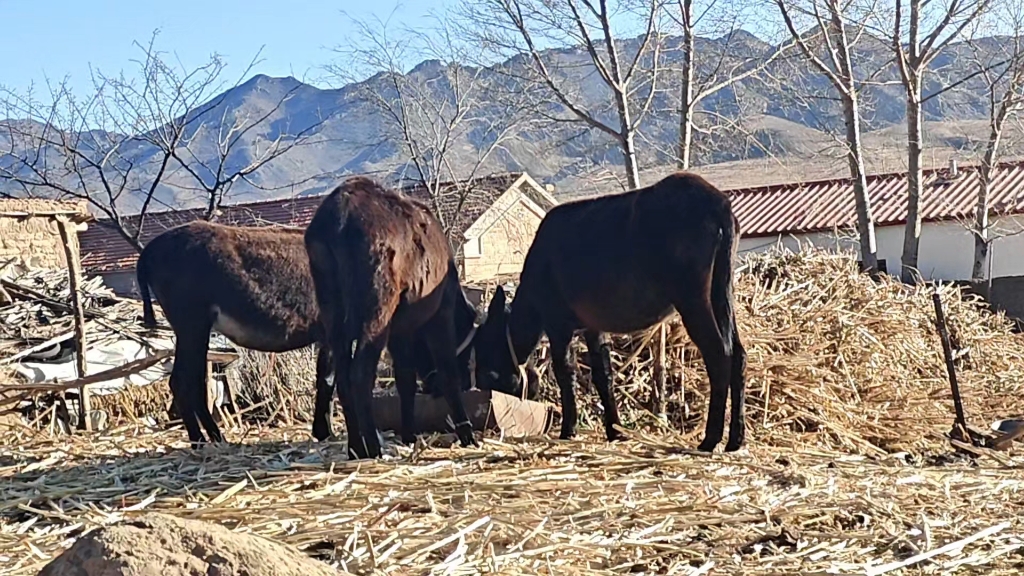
x=827 y=204
x=103 y=248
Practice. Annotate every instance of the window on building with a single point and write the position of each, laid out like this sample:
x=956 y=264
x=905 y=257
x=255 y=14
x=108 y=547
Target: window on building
x=472 y=248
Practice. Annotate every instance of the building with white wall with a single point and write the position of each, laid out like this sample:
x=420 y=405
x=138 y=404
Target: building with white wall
x=822 y=214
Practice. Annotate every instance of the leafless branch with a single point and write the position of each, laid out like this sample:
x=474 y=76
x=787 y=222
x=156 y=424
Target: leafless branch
x=440 y=113
x=133 y=142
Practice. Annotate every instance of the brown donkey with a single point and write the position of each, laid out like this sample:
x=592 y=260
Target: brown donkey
x=253 y=285
x=619 y=264
x=385 y=277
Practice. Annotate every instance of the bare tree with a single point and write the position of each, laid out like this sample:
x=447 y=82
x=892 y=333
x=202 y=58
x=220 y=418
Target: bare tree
x=628 y=70
x=440 y=112
x=835 y=33
x=920 y=30
x=1000 y=64
x=139 y=141
x=697 y=83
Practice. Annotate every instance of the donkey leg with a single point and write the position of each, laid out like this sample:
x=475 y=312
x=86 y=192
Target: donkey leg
x=565 y=375
x=363 y=375
x=699 y=320
x=200 y=406
x=439 y=335
x=341 y=352
x=324 y=395
x=403 y=364
x=737 y=385
x=598 y=347
x=185 y=382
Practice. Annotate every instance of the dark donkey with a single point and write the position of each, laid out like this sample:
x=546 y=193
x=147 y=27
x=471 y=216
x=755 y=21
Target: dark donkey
x=254 y=286
x=385 y=277
x=619 y=264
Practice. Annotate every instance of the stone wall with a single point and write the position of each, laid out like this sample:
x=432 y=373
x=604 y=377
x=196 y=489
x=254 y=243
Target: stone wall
x=34 y=239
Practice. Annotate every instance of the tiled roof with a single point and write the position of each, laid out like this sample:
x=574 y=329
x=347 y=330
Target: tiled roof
x=458 y=216
x=827 y=204
x=104 y=249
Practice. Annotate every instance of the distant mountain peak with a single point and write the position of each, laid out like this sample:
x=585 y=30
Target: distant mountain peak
x=429 y=66
x=265 y=81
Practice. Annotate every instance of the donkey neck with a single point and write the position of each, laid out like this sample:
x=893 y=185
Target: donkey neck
x=524 y=330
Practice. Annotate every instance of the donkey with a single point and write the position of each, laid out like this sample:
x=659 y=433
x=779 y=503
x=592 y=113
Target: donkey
x=619 y=264
x=384 y=276
x=253 y=285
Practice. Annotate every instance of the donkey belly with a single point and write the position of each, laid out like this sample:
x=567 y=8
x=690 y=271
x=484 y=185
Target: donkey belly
x=266 y=337
x=620 y=314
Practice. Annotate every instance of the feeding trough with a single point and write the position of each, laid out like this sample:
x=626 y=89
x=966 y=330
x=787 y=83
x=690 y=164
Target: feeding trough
x=487 y=410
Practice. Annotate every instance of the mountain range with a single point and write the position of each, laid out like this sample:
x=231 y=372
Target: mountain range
x=780 y=125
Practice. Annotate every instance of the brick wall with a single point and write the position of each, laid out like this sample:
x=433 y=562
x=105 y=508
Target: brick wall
x=35 y=240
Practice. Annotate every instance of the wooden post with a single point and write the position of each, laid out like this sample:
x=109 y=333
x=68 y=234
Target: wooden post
x=211 y=388
x=660 y=400
x=74 y=281
x=947 y=352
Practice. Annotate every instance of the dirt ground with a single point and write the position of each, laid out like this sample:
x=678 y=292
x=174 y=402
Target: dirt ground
x=644 y=506
x=155 y=544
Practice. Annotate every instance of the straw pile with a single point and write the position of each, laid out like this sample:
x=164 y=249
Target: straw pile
x=275 y=388
x=41 y=307
x=37 y=317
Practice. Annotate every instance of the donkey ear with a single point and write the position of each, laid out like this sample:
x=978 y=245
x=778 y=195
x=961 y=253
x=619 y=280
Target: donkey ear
x=497 y=305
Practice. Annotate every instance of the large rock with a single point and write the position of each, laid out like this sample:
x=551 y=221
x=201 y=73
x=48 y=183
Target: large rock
x=162 y=545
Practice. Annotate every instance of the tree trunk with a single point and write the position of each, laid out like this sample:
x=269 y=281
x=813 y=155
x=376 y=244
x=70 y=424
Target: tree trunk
x=686 y=107
x=855 y=157
x=915 y=185
x=979 y=271
x=981 y=231
x=629 y=151
x=627 y=139
x=685 y=137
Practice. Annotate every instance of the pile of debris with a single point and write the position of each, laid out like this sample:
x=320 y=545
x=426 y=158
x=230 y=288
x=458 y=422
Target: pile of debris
x=38 y=351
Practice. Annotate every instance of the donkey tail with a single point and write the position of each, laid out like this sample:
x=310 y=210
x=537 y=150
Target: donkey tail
x=322 y=239
x=722 y=281
x=142 y=277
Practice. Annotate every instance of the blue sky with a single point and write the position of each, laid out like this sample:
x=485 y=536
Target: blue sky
x=64 y=37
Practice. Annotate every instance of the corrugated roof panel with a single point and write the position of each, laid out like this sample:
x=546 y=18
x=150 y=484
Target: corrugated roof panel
x=820 y=206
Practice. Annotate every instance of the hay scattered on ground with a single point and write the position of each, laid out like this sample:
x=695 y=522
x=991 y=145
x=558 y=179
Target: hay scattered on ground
x=539 y=507
x=847 y=469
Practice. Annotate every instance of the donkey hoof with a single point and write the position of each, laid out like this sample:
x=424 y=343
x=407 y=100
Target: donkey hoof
x=323 y=435
x=707 y=446
x=466 y=438
x=733 y=446
x=567 y=434
x=615 y=436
